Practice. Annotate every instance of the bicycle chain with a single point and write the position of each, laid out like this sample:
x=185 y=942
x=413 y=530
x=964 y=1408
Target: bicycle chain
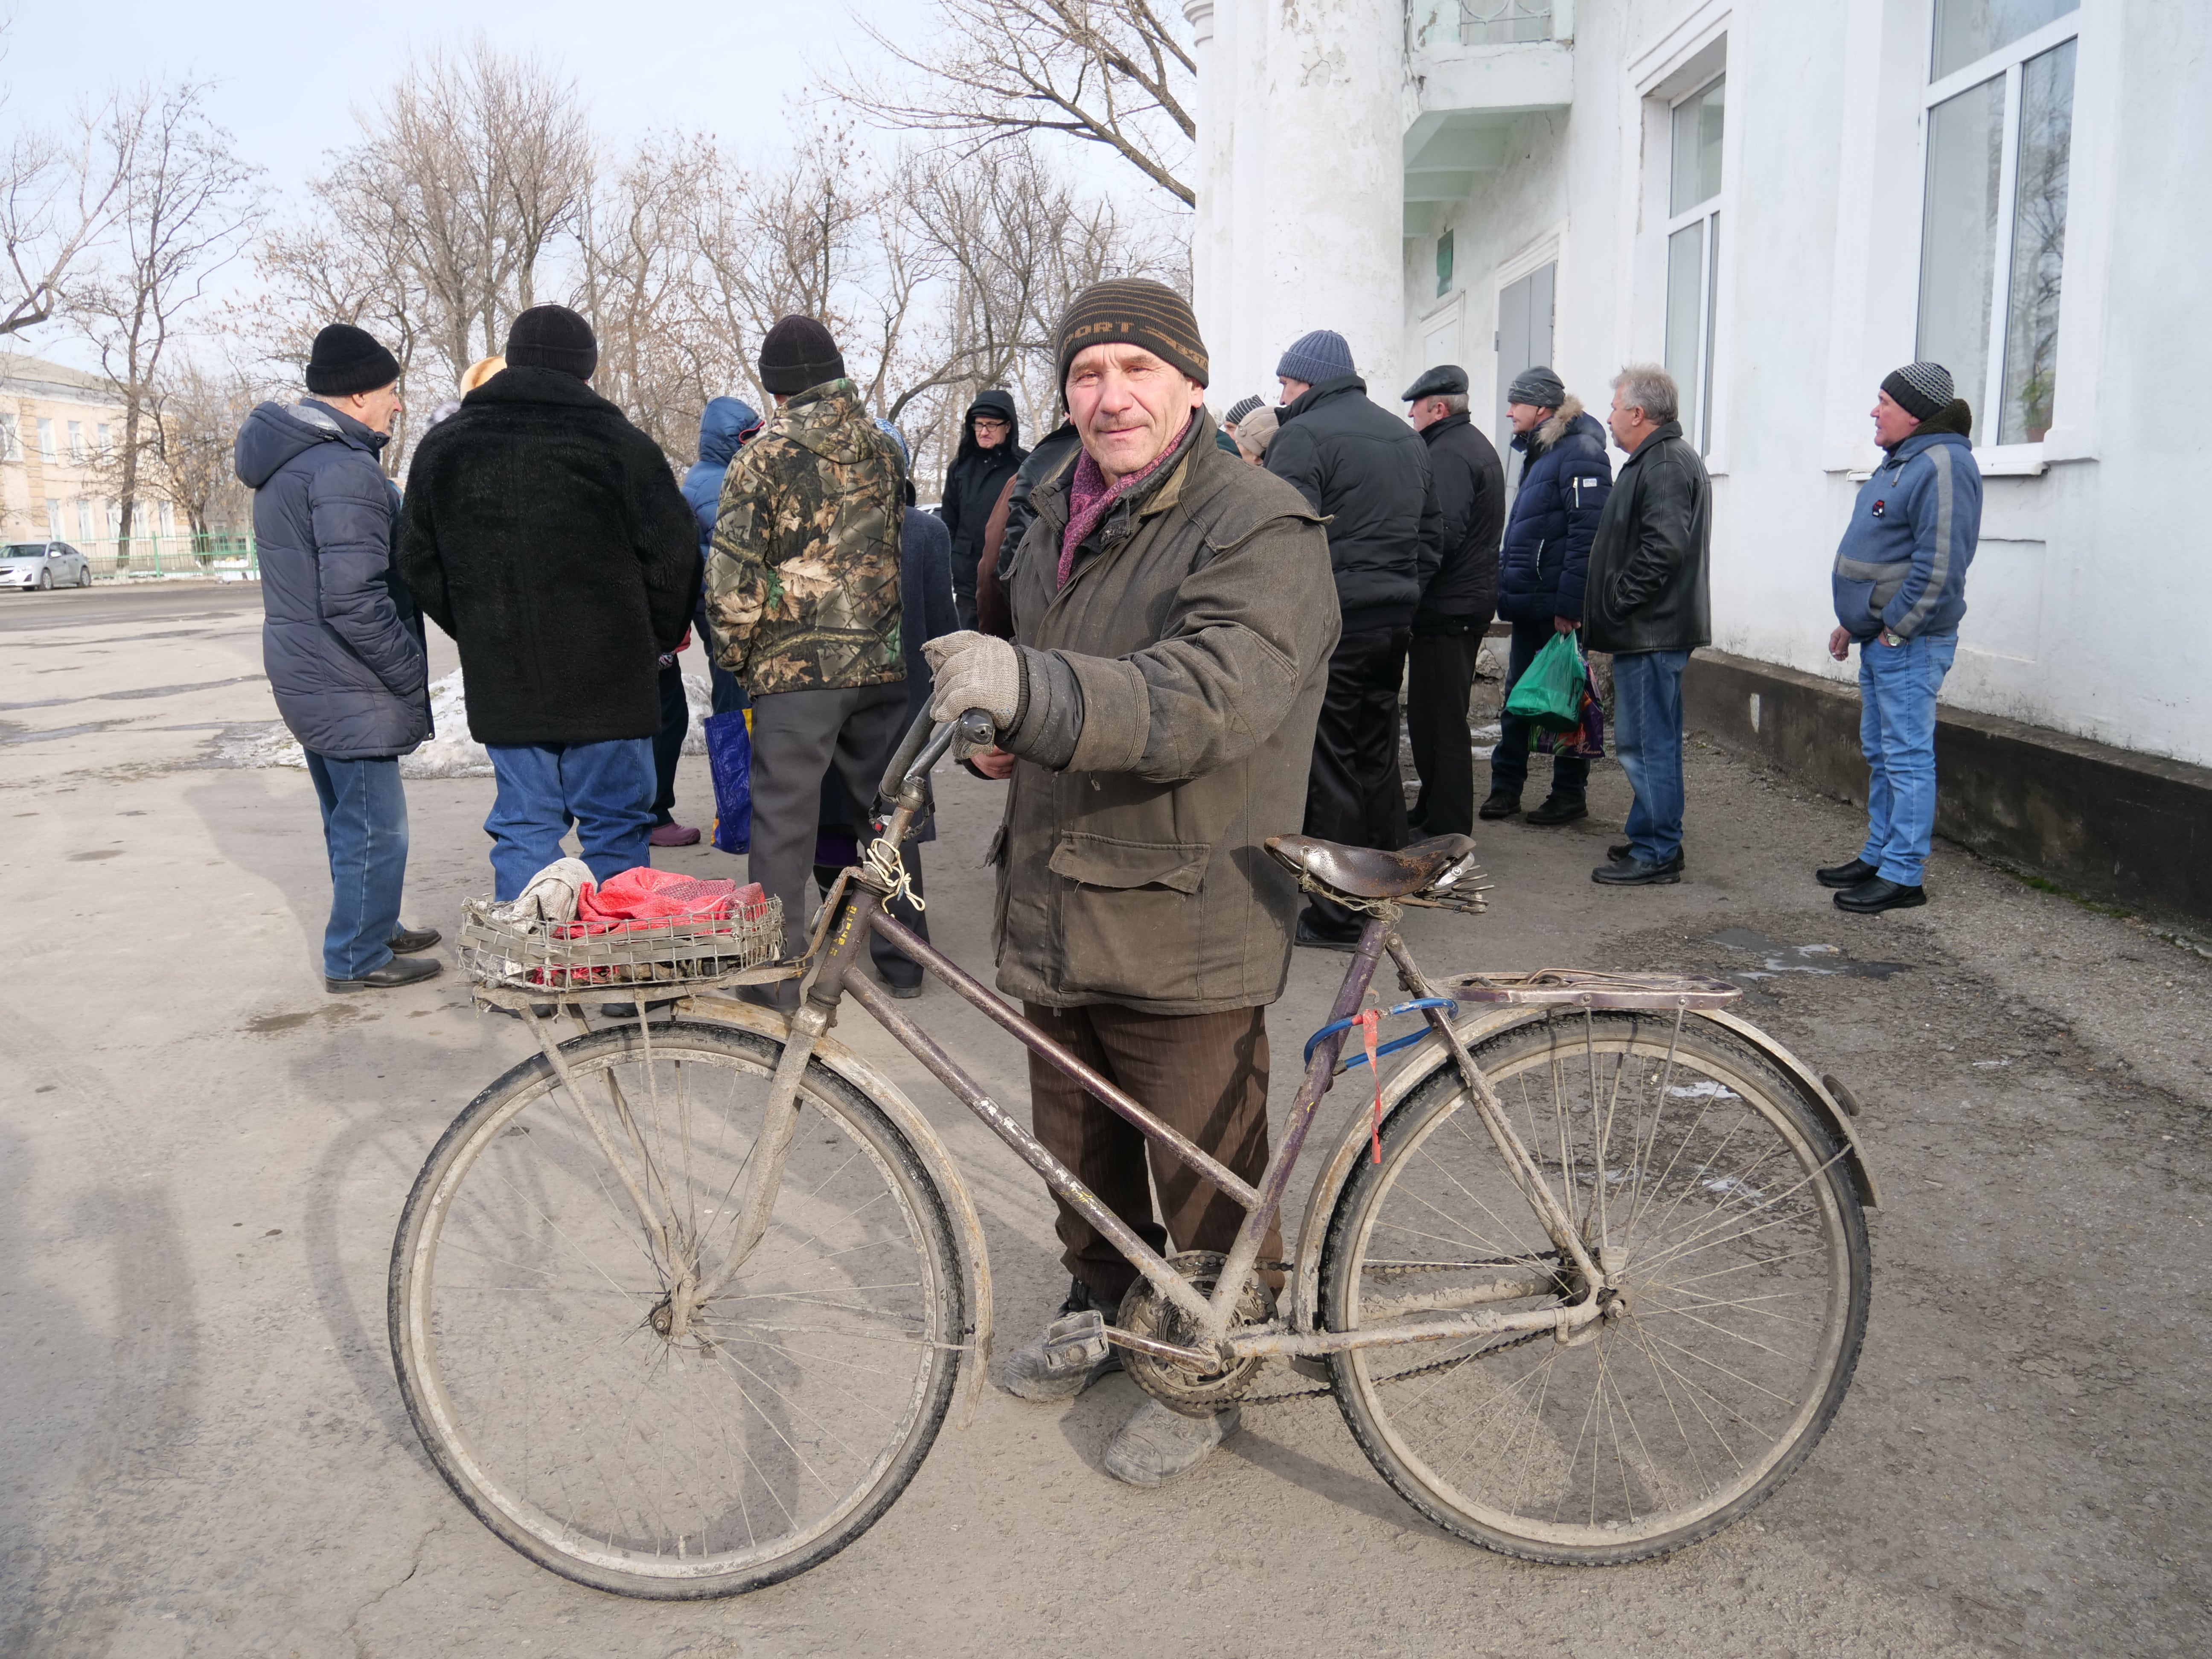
x=1436 y=1366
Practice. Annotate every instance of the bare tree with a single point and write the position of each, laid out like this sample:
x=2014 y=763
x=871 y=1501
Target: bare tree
x=185 y=205
x=197 y=415
x=1109 y=72
x=56 y=201
x=467 y=174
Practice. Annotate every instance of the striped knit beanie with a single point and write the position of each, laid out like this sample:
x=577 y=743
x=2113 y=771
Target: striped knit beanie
x=1921 y=390
x=1133 y=311
x=1241 y=408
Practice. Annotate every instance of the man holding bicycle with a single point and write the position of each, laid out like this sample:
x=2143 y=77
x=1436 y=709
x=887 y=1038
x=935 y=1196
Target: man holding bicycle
x=1173 y=614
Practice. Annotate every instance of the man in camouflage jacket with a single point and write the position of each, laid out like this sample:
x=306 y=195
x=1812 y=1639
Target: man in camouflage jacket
x=803 y=590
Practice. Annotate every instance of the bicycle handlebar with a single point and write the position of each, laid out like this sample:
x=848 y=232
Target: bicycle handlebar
x=923 y=747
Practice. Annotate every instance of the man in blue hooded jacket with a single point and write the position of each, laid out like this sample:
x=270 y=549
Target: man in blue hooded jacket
x=1900 y=587
x=724 y=428
x=342 y=640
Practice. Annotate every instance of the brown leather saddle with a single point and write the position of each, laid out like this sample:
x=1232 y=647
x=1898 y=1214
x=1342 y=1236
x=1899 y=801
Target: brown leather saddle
x=1368 y=873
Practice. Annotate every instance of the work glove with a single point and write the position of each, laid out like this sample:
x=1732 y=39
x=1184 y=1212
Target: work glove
x=975 y=670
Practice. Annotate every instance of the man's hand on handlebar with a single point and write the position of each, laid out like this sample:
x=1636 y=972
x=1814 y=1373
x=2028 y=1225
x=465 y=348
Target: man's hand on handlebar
x=995 y=764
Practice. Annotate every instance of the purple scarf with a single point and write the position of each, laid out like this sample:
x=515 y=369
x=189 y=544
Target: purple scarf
x=1090 y=497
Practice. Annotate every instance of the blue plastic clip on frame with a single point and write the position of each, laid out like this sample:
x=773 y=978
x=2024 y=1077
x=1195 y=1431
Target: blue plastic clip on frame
x=1391 y=1046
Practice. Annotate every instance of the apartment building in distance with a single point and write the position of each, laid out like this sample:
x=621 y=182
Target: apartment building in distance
x=59 y=427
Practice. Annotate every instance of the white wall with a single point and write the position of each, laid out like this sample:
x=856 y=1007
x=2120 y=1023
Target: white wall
x=2090 y=608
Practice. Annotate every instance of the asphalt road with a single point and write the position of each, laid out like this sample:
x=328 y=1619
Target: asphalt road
x=203 y=1155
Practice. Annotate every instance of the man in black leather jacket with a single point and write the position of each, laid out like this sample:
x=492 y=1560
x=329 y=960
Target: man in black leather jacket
x=1367 y=472
x=1645 y=601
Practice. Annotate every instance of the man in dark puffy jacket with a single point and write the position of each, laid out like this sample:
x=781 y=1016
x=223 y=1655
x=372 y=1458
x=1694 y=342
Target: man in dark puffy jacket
x=343 y=642
x=990 y=451
x=544 y=533
x=1367 y=472
x=724 y=427
x=1565 y=478
x=1645 y=601
x=1456 y=607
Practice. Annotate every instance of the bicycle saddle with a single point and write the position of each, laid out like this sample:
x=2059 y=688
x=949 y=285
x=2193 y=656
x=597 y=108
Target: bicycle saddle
x=1368 y=873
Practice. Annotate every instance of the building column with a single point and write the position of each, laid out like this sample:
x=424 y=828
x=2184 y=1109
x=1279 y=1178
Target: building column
x=1209 y=231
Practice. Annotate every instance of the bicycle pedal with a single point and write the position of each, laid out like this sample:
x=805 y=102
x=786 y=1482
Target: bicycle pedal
x=1075 y=1343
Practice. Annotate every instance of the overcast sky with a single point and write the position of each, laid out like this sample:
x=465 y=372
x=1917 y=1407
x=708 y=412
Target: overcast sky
x=291 y=74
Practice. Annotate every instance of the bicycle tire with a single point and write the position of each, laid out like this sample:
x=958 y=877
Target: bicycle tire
x=1547 y=1407
x=550 y=1484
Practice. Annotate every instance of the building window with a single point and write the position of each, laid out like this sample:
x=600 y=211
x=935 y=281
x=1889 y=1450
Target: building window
x=76 y=442
x=107 y=446
x=46 y=446
x=11 y=439
x=2000 y=103
x=53 y=515
x=1693 y=252
x=169 y=518
x=84 y=519
x=114 y=515
x=1504 y=22
x=1443 y=264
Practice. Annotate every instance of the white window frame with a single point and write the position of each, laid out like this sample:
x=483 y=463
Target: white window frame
x=2008 y=61
x=77 y=452
x=1708 y=210
x=11 y=439
x=1688 y=58
x=45 y=428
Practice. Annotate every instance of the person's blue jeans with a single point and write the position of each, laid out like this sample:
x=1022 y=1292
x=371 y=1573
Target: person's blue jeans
x=1897 y=685
x=604 y=789
x=365 y=833
x=1647 y=691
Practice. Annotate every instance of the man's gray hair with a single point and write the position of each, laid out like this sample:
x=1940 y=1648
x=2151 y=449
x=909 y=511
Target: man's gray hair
x=1455 y=403
x=1651 y=389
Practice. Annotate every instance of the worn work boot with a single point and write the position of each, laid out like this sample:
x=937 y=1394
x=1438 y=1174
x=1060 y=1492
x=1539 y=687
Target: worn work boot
x=1501 y=803
x=1157 y=1444
x=1846 y=875
x=1027 y=1373
x=1559 y=809
x=1875 y=895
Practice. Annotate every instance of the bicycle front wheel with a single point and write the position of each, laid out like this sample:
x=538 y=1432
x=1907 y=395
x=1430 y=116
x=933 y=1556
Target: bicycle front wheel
x=531 y=1328
x=1723 y=1214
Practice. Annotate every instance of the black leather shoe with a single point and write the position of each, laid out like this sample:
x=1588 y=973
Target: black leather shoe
x=1500 y=804
x=413 y=941
x=1633 y=871
x=1846 y=875
x=1874 y=896
x=400 y=970
x=1559 y=809
x=1619 y=850
x=1325 y=938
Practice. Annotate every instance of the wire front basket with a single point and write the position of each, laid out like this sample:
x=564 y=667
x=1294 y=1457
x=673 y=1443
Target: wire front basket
x=686 y=954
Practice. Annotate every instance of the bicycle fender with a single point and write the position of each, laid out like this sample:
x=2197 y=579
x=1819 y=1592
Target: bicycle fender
x=1816 y=1094
x=967 y=1225
x=1420 y=1062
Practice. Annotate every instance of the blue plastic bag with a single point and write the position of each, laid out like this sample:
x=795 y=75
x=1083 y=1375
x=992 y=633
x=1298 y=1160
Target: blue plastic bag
x=730 y=757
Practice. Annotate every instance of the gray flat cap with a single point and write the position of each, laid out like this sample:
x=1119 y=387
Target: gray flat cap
x=1444 y=381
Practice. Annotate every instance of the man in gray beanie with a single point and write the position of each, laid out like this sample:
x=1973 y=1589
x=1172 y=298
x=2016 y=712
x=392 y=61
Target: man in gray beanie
x=1367 y=472
x=1901 y=588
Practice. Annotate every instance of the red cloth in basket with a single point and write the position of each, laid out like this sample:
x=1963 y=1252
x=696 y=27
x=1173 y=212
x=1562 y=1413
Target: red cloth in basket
x=645 y=900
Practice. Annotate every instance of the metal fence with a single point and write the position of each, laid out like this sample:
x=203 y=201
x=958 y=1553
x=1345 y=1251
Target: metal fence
x=223 y=553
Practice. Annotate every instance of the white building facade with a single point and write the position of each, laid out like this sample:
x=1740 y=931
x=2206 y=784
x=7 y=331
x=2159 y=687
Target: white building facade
x=1782 y=200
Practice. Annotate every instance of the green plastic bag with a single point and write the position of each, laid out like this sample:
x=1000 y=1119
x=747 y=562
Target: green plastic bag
x=1550 y=694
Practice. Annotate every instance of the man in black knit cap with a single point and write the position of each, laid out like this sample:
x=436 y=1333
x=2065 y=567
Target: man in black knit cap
x=545 y=533
x=343 y=642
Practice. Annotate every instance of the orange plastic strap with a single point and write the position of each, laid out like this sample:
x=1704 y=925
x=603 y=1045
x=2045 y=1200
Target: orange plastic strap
x=1367 y=1020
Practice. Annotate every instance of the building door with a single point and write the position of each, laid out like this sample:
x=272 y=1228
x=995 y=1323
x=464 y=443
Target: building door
x=1525 y=335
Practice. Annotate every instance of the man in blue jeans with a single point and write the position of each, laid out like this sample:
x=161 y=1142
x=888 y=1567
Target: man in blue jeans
x=1901 y=588
x=544 y=533
x=1645 y=600
x=343 y=642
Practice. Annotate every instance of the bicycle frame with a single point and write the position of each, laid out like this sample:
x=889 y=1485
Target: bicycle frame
x=857 y=912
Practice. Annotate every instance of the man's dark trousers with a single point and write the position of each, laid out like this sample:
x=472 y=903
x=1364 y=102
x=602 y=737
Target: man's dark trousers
x=365 y=834
x=1354 y=794
x=1206 y=1077
x=1439 y=680
x=668 y=742
x=1509 y=761
x=798 y=735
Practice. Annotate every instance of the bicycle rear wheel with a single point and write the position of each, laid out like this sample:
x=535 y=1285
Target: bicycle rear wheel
x=1695 y=1173
x=531 y=1327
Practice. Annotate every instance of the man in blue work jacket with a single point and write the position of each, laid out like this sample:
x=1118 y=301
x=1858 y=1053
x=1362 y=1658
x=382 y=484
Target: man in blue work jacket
x=1900 y=584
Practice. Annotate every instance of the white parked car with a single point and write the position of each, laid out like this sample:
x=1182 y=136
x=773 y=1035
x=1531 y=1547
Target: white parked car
x=44 y=564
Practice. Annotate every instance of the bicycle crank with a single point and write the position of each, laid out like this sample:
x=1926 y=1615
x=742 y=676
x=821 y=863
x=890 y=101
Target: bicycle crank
x=1145 y=1313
